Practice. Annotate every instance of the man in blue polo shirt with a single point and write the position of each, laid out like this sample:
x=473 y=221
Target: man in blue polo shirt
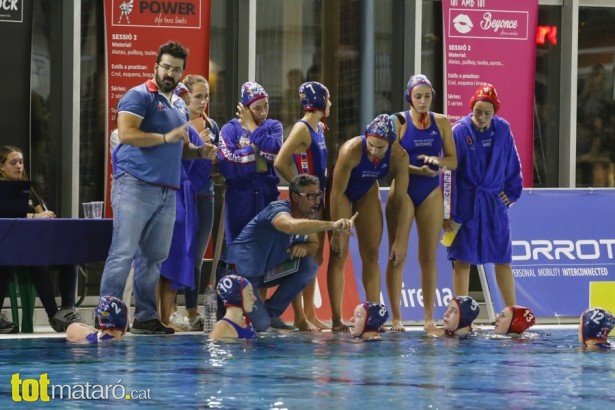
x=153 y=135
x=277 y=248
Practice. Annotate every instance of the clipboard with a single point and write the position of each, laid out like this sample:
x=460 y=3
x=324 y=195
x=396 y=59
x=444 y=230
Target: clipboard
x=286 y=268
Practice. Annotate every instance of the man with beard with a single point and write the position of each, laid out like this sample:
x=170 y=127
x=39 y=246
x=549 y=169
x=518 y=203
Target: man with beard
x=277 y=248
x=153 y=138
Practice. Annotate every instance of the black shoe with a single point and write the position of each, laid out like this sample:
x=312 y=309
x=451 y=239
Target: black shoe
x=7 y=326
x=150 y=327
x=64 y=317
x=277 y=323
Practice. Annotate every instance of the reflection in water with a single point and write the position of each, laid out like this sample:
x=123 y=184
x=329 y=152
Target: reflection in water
x=328 y=370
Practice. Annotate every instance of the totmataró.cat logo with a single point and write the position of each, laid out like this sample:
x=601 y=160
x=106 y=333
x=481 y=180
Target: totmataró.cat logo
x=463 y=23
x=126 y=9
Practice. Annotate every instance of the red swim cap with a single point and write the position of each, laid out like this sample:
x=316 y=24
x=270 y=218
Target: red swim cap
x=486 y=92
x=522 y=319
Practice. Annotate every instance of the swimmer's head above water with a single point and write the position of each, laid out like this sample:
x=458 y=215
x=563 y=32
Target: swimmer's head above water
x=368 y=319
x=459 y=315
x=595 y=324
x=112 y=314
x=514 y=320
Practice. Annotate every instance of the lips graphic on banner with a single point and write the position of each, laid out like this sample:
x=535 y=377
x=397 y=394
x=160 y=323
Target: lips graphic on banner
x=463 y=23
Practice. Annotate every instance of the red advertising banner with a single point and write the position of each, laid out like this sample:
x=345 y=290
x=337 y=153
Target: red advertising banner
x=493 y=41
x=134 y=32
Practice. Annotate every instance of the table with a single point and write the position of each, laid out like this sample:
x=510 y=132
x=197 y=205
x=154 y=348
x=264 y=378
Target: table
x=57 y=241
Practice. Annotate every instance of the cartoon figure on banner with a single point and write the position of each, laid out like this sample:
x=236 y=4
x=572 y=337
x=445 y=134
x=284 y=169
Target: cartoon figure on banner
x=126 y=8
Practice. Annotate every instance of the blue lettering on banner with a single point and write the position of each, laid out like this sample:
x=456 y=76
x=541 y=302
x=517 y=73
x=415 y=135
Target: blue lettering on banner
x=554 y=258
x=563 y=239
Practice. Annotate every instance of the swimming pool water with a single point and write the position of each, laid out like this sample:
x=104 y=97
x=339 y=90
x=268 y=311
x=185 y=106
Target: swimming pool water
x=328 y=371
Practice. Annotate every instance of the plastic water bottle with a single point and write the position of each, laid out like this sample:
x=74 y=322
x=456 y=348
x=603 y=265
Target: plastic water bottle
x=209 y=320
x=449 y=237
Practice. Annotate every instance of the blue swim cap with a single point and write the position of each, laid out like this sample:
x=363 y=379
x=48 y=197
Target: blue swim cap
x=181 y=89
x=468 y=310
x=230 y=287
x=381 y=127
x=313 y=96
x=416 y=80
x=251 y=92
x=596 y=323
x=377 y=314
x=112 y=313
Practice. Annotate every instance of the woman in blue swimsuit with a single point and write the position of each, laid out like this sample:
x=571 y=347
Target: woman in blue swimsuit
x=306 y=147
x=361 y=162
x=238 y=297
x=428 y=139
x=112 y=318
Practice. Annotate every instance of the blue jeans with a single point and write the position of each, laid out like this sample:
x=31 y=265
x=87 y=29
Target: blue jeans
x=143 y=218
x=205 y=209
x=288 y=287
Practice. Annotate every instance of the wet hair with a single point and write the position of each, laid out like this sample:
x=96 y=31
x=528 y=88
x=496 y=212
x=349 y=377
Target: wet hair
x=174 y=49
x=301 y=180
x=191 y=79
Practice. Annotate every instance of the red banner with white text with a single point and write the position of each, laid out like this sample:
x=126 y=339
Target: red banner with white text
x=135 y=30
x=493 y=41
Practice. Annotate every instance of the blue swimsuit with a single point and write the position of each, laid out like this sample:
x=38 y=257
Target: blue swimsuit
x=363 y=176
x=421 y=142
x=242 y=332
x=97 y=337
x=314 y=160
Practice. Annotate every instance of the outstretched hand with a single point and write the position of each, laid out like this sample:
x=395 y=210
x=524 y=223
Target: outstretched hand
x=338 y=242
x=345 y=225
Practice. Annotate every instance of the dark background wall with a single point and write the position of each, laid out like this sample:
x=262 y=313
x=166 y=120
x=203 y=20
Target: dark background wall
x=15 y=49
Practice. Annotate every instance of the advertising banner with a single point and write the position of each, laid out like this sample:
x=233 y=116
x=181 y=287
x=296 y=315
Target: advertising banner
x=493 y=41
x=134 y=33
x=563 y=247
x=563 y=259
x=411 y=294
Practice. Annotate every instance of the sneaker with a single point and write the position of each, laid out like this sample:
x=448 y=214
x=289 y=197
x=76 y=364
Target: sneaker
x=277 y=323
x=150 y=327
x=6 y=326
x=179 y=321
x=64 y=317
x=196 y=323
